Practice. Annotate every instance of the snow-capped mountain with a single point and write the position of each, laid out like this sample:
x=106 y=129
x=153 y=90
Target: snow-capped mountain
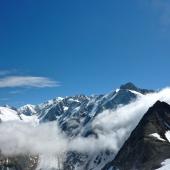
x=75 y=115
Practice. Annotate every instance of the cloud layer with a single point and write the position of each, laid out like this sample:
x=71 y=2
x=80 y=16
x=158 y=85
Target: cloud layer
x=20 y=138
x=27 y=81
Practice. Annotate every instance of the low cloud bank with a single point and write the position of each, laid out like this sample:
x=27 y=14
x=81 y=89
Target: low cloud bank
x=19 y=138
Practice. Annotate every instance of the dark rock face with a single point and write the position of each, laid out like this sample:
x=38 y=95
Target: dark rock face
x=22 y=162
x=142 y=151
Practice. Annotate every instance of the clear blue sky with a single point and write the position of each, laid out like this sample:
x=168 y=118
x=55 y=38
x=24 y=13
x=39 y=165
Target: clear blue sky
x=88 y=46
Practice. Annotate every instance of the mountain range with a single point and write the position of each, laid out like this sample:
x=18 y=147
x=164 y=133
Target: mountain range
x=146 y=146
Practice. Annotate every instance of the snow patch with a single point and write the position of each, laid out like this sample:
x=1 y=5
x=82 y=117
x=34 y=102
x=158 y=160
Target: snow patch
x=74 y=100
x=65 y=108
x=117 y=90
x=167 y=134
x=156 y=135
x=135 y=92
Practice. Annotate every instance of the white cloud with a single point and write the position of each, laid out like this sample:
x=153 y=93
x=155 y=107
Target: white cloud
x=25 y=138
x=45 y=140
x=27 y=81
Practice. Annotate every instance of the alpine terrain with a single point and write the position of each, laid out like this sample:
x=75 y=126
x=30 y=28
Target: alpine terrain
x=145 y=145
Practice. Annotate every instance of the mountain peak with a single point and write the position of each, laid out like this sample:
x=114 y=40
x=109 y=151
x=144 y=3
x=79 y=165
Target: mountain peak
x=160 y=103
x=129 y=86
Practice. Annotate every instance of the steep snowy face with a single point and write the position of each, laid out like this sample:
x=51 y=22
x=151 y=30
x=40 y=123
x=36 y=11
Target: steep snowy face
x=7 y=114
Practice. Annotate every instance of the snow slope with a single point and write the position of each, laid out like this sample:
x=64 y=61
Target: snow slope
x=7 y=114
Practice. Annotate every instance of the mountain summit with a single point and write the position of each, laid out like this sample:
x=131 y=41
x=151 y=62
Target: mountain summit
x=131 y=86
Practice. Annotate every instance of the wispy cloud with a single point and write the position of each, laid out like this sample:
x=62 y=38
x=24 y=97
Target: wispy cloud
x=27 y=81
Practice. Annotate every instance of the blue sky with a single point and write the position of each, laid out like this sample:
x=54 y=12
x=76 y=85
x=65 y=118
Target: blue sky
x=61 y=48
